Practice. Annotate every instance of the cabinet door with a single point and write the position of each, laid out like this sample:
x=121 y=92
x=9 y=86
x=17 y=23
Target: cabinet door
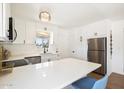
x=6 y=15
x=1 y=32
x=17 y=63
x=20 y=29
x=30 y=33
x=4 y=19
x=34 y=59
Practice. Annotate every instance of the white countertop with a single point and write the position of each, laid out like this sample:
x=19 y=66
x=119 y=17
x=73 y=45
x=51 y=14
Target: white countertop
x=49 y=75
x=22 y=56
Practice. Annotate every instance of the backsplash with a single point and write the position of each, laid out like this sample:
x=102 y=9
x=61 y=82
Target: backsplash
x=17 y=49
x=20 y=49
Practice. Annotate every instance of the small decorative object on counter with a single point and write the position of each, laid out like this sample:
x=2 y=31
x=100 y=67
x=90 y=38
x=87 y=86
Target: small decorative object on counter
x=4 y=54
x=6 y=69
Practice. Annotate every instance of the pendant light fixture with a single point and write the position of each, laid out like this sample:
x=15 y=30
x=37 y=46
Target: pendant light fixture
x=45 y=16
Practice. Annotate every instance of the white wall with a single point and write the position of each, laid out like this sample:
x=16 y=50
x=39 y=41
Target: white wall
x=118 y=46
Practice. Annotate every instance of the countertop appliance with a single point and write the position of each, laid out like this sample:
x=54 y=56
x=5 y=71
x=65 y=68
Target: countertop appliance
x=97 y=53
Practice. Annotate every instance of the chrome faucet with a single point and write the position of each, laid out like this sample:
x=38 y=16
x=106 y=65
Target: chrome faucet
x=45 y=49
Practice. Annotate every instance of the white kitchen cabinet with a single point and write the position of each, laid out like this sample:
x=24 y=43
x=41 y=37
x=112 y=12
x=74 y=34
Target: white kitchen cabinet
x=1 y=25
x=30 y=32
x=5 y=13
x=21 y=32
x=49 y=57
x=25 y=31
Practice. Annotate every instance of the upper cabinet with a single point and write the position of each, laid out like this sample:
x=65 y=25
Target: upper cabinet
x=1 y=25
x=20 y=29
x=4 y=20
x=30 y=32
x=26 y=33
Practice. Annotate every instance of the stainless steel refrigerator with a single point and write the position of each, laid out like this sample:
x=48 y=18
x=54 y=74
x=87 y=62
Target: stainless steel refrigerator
x=97 y=53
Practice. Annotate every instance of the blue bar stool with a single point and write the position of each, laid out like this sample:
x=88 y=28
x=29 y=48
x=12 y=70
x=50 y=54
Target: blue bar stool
x=90 y=83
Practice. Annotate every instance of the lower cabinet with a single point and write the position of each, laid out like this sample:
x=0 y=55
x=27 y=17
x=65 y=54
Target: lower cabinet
x=48 y=57
x=22 y=62
x=16 y=63
x=33 y=59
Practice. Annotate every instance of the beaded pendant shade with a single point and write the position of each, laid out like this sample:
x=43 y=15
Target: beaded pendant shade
x=45 y=16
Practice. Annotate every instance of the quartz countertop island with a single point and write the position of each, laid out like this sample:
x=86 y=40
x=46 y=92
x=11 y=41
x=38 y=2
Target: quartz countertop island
x=49 y=75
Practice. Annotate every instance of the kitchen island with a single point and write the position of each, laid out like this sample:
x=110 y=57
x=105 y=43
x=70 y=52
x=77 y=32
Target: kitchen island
x=49 y=75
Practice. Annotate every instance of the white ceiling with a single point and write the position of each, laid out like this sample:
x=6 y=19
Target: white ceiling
x=70 y=15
